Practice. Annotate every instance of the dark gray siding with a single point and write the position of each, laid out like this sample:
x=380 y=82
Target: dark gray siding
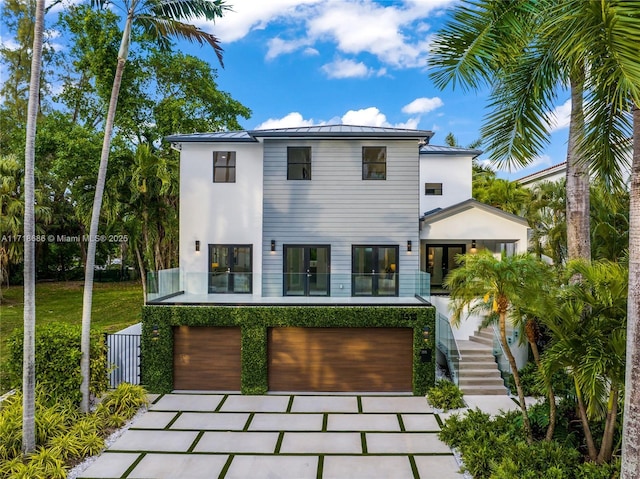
x=339 y=208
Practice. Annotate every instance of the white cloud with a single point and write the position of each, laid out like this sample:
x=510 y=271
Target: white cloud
x=559 y=117
x=422 y=105
x=394 y=32
x=370 y=116
x=347 y=69
x=291 y=120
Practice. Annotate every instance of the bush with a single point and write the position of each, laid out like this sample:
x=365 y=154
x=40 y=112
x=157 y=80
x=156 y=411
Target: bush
x=496 y=448
x=63 y=436
x=58 y=361
x=533 y=384
x=445 y=395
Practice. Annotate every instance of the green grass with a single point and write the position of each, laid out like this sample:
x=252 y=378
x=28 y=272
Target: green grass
x=115 y=306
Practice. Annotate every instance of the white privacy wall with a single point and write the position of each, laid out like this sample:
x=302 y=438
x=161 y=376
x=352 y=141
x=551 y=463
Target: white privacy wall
x=218 y=213
x=454 y=172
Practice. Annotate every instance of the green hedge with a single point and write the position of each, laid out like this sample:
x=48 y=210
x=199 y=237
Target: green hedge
x=157 y=348
x=58 y=361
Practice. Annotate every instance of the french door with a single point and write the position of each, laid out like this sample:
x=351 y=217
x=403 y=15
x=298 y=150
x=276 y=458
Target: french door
x=307 y=270
x=375 y=271
x=441 y=260
x=230 y=268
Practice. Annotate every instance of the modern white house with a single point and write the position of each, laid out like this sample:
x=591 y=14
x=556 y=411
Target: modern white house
x=327 y=212
x=331 y=215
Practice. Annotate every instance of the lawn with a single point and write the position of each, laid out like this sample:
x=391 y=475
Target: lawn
x=115 y=306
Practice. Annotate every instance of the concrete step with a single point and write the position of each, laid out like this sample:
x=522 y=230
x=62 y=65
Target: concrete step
x=484 y=390
x=482 y=340
x=481 y=373
x=477 y=358
x=486 y=365
x=477 y=381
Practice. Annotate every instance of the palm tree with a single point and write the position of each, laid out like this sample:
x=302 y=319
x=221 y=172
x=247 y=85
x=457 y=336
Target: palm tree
x=501 y=45
x=29 y=363
x=162 y=21
x=499 y=286
x=613 y=32
x=587 y=325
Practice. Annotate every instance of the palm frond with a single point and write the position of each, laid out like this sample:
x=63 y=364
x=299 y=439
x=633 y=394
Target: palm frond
x=164 y=28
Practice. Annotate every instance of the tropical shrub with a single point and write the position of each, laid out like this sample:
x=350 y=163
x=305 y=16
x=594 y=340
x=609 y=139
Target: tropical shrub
x=63 y=436
x=496 y=448
x=445 y=395
x=58 y=361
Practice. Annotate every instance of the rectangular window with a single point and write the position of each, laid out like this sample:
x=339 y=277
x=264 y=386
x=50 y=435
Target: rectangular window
x=224 y=166
x=433 y=189
x=374 y=162
x=298 y=163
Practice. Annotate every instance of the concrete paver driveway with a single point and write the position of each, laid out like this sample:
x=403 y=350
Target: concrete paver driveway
x=191 y=436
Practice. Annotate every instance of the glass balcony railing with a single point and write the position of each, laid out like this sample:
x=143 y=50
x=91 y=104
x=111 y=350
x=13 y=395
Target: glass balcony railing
x=446 y=343
x=168 y=282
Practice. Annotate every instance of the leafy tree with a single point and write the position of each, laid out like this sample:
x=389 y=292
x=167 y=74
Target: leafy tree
x=587 y=324
x=485 y=283
x=161 y=21
x=504 y=45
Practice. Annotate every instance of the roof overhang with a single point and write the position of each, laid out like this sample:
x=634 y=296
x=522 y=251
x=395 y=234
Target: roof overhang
x=467 y=205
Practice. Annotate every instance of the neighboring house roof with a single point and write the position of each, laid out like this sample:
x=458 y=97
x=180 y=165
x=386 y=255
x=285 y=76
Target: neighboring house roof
x=437 y=215
x=543 y=175
x=321 y=131
x=448 y=150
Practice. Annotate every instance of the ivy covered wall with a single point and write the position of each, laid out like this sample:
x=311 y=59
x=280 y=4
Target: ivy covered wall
x=158 y=323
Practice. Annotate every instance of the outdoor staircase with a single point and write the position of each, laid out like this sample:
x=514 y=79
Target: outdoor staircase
x=479 y=373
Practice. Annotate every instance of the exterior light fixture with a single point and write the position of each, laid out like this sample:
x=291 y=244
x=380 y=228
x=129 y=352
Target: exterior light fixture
x=409 y=245
x=273 y=245
x=155 y=333
x=473 y=246
x=197 y=245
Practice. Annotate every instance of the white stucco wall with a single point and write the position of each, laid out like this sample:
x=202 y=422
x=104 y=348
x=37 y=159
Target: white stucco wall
x=454 y=172
x=478 y=224
x=218 y=213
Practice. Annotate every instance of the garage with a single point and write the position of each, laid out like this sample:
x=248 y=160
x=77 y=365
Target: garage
x=206 y=358
x=340 y=359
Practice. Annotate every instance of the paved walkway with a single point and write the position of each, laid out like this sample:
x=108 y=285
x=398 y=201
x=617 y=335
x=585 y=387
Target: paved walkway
x=191 y=436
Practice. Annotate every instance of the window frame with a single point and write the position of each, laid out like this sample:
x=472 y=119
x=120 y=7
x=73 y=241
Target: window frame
x=430 y=187
x=375 y=287
x=231 y=280
x=231 y=156
x=365 y=162
x=291 y=163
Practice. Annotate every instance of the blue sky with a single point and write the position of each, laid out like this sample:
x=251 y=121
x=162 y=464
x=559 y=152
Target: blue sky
x=310 y=62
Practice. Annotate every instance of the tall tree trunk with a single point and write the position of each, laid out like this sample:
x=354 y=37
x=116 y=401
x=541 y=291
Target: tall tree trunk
x=95 y=215
x=516 y=376
x=631 y=422
x=578 y=232
x=532 y=337
x=606 y=448
x=29 y=361
x=143 y=272
x=582 y=411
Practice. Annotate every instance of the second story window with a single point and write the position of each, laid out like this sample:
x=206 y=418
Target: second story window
x=374 y=162
x=433 y=189
x=224 y=166
x=298 y=163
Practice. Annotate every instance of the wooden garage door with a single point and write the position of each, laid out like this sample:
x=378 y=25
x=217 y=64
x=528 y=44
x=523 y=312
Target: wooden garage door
x=340 y=359
x=206 y=358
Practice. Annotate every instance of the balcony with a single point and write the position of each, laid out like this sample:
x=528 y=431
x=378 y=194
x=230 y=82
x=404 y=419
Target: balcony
x=179 y=287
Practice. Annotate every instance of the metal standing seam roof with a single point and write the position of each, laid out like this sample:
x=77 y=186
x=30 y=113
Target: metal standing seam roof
x=448 y=150
x=321 y=131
